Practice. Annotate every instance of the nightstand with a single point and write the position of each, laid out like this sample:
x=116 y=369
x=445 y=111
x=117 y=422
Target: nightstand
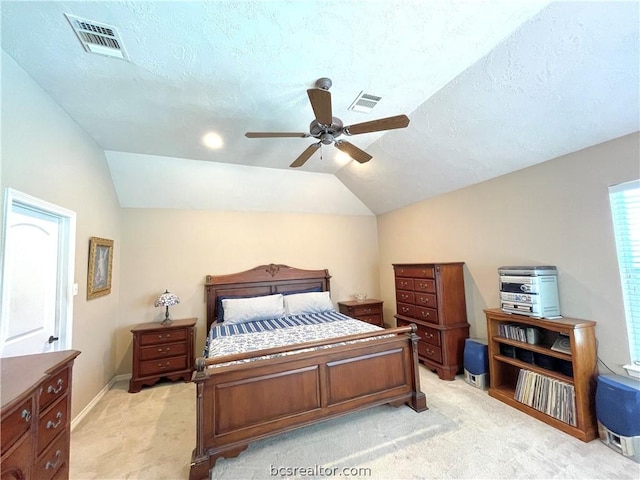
x=162 y=351
x=369 y=310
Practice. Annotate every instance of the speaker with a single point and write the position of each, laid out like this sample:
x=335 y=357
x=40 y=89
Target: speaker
x=618 y=414
x=476 y=362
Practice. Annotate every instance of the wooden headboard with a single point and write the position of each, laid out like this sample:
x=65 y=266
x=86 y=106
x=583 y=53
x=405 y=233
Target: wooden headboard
x=262 y=280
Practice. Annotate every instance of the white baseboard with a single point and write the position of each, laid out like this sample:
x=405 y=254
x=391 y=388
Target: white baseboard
x=97 y=398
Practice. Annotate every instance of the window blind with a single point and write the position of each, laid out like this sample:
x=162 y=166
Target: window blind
x=625 y=209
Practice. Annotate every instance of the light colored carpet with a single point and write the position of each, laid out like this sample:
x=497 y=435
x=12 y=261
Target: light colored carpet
x=464 y=434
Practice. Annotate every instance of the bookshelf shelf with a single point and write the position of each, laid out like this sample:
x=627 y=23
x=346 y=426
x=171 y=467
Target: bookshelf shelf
x=505 y=369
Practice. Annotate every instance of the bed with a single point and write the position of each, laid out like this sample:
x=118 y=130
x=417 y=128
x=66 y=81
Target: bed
x=243 y=397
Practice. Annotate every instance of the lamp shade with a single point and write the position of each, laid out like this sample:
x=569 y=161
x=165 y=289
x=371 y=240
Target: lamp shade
x=167 y=299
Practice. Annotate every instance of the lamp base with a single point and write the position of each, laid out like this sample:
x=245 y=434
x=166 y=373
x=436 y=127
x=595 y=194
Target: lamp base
x=166 y=320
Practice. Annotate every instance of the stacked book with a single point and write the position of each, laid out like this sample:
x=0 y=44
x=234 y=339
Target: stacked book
x=513 y=331
x=547 y=395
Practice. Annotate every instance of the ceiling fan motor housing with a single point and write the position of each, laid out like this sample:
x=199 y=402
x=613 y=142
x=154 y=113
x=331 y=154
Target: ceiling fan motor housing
x=317 y=130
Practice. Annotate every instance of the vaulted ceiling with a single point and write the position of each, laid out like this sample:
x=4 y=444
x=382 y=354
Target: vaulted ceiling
x=490 y=87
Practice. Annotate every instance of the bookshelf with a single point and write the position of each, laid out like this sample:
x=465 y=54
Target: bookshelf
x=574 y=373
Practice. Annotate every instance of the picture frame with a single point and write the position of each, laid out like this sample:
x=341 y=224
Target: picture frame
x=100 y=267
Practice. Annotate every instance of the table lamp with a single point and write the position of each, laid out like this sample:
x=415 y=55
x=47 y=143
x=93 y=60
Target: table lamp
x=166 y=300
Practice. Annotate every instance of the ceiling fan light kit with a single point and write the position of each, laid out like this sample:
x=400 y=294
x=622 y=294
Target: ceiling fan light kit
x=327 y=128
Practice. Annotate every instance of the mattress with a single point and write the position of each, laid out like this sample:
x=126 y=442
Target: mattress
x=252 y=336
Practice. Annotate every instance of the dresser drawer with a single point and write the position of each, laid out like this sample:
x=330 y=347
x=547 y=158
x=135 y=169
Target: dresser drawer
x=406 y=310
x=416 y=272
x=17 y=464
x=165 y=365
x=425 y=285
x=426 y=300
x=406 y=297
x=404 y=283
x=16 y=424
x=155 y=338
x=427 y=314
x=430 y=351
x=52 y=422
x=163 y=350
x=53 y=458
x=54 y=388
x=429 y=335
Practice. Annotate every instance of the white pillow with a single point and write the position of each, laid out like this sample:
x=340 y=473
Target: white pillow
x=311 y=302
x=240 y=310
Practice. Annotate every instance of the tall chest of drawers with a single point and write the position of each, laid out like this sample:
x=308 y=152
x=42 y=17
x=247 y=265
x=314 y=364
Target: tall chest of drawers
x=162 y=350
x=36 y=410
x=431 y=295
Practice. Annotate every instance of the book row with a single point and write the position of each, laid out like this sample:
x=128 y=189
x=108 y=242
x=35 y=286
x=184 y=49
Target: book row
x=547 y=395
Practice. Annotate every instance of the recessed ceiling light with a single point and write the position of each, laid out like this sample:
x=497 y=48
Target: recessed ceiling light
x=212 y=140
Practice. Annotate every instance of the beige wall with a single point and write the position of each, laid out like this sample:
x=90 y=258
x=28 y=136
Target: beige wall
x=46 y=154
x=176 y=249
x=554 y=213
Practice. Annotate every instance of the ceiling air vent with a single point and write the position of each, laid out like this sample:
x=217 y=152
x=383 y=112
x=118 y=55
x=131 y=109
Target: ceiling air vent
x=364 y=102
x=98 y=37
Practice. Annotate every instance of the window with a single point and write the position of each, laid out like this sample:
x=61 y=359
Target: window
x=625 y=209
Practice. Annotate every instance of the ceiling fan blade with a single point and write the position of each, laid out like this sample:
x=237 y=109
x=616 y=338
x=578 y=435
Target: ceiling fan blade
x=321 y=103
x=275 y=134
x=353 y=151
x=311 y=149
x=389 y=123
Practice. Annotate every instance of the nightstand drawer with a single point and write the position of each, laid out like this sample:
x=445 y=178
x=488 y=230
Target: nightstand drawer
x=162 y=366
x=163 y=350
x=373 y=319
x=169 y=336
x=359 y=310
x=18 y=462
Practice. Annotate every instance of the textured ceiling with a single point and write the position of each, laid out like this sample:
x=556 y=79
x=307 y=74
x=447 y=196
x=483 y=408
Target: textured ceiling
x=490 y=87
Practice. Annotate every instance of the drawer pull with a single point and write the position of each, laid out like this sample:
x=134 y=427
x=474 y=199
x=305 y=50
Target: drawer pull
x=428 y=335
x=166 y=350
x=52 y=424
x=53 y=465
x=60 y=383
x=430 y=352
x=425 y=300
x=426 y=314
x=26 y=414
x=164 y=337
x=405 y=309
x=165 y=365
x=17 y=474
x=368 y=310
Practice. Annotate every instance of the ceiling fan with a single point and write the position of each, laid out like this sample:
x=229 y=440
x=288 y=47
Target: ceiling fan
x=327 y=128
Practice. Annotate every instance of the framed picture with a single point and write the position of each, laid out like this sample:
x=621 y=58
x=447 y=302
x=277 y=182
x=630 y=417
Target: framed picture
x=100 y=264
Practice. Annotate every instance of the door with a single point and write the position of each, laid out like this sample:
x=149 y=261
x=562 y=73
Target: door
x=36 y=305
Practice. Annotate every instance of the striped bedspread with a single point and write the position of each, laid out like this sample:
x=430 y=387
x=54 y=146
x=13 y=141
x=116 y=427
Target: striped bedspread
x=251 y=336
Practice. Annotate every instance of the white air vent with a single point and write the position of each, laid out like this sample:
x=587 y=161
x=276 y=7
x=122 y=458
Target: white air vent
x=364 y=102
x=98 y=38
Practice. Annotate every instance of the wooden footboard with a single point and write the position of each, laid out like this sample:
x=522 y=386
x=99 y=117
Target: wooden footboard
x=242 y=402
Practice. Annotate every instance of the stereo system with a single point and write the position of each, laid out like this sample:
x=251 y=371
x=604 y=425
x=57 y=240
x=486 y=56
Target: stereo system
x=530 y=290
